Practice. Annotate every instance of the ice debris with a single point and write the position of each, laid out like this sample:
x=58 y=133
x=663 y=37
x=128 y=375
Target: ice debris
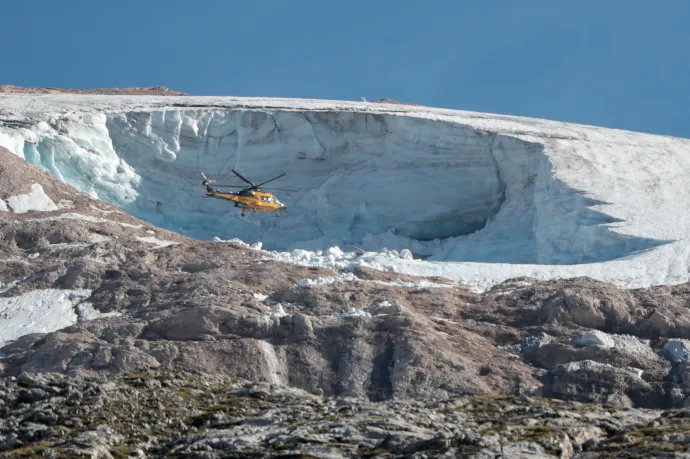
x=532 y=343
x=36 y=200
x=353 y=312
x=594 y=338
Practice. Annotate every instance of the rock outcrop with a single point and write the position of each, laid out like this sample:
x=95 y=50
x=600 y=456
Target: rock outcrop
x=176 y=414
x=164 y=327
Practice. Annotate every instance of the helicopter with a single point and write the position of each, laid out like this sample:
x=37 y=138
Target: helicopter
x=251 y=198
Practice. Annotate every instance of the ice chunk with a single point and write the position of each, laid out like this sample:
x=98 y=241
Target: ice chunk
x=624 y=343
x=335 y=252
x=635 y=371
x=586 y=365
x=278 y=311
x=273 y=318
x=594 y=338
x=157 y=242
x=353 y=312
x=532 y=343
x=349 y=277
x=96 y=238
x=36 y=200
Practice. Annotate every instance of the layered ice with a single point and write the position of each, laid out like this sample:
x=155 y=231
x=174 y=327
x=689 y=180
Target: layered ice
x=479 y=197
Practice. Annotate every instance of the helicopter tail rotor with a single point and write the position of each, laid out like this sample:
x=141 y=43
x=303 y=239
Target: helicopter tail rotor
x=206 y=179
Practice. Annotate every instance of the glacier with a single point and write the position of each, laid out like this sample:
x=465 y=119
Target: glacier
x=476 y=197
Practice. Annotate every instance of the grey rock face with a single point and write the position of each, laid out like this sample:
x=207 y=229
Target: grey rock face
x=166 y=414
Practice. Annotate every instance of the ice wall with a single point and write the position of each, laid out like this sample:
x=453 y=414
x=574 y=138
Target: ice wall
x=360 y=173
x=472 y=189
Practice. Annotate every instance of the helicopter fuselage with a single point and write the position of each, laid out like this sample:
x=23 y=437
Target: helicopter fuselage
x=257 y=201
x=252 y=198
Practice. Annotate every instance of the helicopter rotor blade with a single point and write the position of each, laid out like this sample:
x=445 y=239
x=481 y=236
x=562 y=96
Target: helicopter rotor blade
x=240 y=176
x=232 y=186
x=206 y=178
x=274 y=178
x=283 y=189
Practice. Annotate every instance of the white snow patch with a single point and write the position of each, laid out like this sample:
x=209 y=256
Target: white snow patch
x=329 y=280
x=633 y=345
x=350 y=277
x=441 y=319
x=594 y=338
x=353 y=312
x=585 y=365
x=260 y=296
x=254 y=246
x=273 y=318
x=96 y=238
x=74 y=216
x=275 y=365
x=67 y=216
x=3 y=206
x=635 y=371
x=628 y=344
x=38 y=311
x=35 y=200
x=278 y=311
x=104 y=211
x=128 y=225
x=157 y=242
x=405 y=254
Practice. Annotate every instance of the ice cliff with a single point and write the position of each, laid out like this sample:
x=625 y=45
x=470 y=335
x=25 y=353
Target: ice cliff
x=480 y=196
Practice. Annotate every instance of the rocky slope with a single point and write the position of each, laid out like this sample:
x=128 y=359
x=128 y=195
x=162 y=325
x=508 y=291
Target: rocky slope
x=162 y=414
x=367 y=364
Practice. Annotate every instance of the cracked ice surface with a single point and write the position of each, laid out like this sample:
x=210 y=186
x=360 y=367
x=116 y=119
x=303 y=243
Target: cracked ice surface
x=483 y=197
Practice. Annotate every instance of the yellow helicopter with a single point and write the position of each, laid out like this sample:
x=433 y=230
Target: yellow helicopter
x=250 y=198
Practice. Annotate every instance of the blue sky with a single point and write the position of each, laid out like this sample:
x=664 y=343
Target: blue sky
x=614 y=63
